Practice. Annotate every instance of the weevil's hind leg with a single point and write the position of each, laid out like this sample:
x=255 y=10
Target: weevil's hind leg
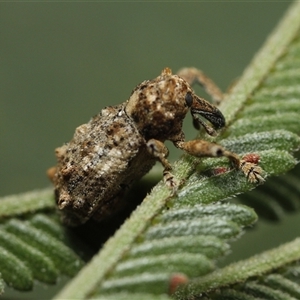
x=158 y=150
x=200 y=148
x=193 y=75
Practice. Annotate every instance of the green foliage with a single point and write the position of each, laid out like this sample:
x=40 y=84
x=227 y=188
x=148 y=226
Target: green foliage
x=172 y=243
x=181 y=240
x=31 y=202
x=282 y=284
x=277 y=196
x=242 y=270
x=14 y=272
x=272 y=135
x=32 y=249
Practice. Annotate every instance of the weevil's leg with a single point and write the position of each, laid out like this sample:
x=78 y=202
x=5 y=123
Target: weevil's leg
x=200 y=148
x=252 y=171
x=51 y=173
x=193 y=75
x=160 y=152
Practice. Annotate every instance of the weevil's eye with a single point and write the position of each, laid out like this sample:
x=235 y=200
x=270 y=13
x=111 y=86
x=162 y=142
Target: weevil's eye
x=189 y=99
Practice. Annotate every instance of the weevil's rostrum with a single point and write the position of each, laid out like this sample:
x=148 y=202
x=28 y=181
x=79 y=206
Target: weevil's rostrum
x=123 y=142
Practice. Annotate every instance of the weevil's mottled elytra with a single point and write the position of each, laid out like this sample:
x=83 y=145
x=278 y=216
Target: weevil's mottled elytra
x=123 y=142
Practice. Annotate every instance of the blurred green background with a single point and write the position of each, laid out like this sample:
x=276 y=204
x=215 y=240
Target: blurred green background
x=62 y=62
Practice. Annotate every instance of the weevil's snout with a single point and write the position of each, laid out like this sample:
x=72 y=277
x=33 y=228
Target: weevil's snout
x=215 y=117
x=200 y=107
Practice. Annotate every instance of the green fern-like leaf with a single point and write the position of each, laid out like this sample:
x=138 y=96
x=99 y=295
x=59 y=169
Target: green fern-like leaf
x=279 y=195
x=280 y=283
x=171 y=241
x=183 y=240
x=32 y=250
x=258 y=265
x=17 y=205
x=133 y=261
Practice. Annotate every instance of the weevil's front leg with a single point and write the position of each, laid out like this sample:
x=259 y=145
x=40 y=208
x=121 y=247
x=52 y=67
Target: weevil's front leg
x=200 y=148
x=158 y=149
x=193 y=75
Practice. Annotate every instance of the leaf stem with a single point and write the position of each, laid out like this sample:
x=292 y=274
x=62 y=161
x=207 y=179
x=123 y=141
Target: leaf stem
x=242 y=270
x=91 y=276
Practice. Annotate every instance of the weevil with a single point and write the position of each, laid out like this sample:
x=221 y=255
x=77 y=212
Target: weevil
x=123 y=142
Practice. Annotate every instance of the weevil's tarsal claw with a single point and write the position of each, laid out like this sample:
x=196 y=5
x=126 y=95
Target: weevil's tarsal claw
x=252 y=171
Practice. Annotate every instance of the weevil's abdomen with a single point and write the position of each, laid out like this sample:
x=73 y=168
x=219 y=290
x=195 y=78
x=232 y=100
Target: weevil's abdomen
x=102 y=160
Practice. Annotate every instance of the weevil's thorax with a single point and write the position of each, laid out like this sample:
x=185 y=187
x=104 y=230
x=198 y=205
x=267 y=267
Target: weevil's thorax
x=158 y=106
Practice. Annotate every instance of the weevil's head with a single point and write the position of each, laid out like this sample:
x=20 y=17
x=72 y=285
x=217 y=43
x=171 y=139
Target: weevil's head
x=159 y=106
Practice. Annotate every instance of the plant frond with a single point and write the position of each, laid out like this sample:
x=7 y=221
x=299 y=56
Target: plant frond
x=171 y=240
x=33 y=249
x=266 y=267
x=159 y=240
